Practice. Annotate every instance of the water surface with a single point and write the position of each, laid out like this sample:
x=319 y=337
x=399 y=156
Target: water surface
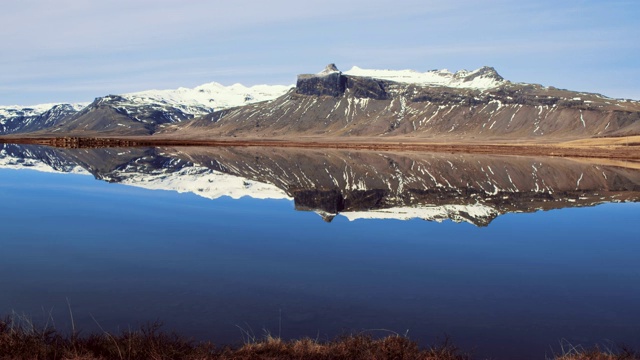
x=508 y=255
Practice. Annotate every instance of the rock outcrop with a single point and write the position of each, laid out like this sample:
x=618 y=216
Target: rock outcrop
x=332 y=82
x=329 y=82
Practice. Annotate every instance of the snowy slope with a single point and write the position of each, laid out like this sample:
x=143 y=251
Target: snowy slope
x=473 y=213
x=480 y=79
x=206 y=98
x=196 y=101
x=17 y=110
x=194 y=179
x=8 y=112
x=42 y=162
x=150 y=108
x=204 y=182
x=143 y=113
x=21 y=119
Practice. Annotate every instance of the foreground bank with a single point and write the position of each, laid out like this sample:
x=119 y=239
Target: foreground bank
x=18 y=341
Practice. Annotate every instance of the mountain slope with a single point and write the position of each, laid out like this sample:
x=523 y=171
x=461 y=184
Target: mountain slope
x=472 y=105
x=24 y=119
x=139 y=113
x=436 y=105
x=143 y=113
x=484 y=78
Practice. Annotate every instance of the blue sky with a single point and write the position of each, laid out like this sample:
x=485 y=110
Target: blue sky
x=76 y=50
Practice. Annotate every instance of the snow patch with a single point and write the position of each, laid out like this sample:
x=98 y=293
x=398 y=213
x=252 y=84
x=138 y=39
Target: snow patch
x=209 y=97
x=456 y=213
x=33 y=110
x=206 y=183
x=460 y=79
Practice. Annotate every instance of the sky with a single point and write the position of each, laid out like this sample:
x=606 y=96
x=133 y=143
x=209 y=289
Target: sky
x=77 y=50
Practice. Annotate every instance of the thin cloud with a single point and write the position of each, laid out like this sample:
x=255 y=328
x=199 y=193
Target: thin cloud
x=73 y=45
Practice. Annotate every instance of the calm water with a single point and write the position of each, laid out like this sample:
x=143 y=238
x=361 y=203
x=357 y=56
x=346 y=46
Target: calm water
x=515 y=255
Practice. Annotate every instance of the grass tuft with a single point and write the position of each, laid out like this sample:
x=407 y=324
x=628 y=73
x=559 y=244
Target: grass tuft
x=621 y=352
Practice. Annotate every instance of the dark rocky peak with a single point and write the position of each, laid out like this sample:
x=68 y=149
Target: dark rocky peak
x=328 y=218
x=329 y=81
x=56 y=114
x=329 y=69
x=332 y=82
x=114 y=98
x=61 y=107
x=107 y=100
x=484 y=72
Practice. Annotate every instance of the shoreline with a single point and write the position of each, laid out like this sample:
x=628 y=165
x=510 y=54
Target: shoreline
x=627 y=149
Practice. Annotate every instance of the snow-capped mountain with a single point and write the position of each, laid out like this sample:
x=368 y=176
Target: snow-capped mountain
x=205 y=98
x=142 y=113
x=24 y=111
x=21 y=119
x=133 y=113
x=476 y=105
x=357 y=185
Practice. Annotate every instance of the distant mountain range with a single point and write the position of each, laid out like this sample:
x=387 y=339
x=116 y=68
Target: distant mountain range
x=25 y=119
x=469 y=105
x=139 y=113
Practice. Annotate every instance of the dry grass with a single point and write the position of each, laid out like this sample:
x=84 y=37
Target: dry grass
x=597 y=354
x=570 y=352
x=20 y=339
x=348 y=347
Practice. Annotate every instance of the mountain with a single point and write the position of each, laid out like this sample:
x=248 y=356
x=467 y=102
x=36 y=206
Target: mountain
x=472 y=105
x=143 y=113
x=139 y=113
x=437 y=105
x=24 y=119
x=354 y=184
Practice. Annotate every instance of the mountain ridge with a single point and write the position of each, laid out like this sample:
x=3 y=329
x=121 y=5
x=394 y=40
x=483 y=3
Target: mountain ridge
x=469 y=105
x=482 y=106
x=138 y=113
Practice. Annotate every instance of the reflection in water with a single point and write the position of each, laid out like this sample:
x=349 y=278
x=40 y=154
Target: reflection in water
x=355 y=184
x=123 y=255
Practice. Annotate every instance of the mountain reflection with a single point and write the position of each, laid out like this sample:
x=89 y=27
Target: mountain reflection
x=355 y=184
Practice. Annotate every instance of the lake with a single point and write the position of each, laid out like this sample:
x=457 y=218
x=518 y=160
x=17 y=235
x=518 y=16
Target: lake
x=509 y=256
